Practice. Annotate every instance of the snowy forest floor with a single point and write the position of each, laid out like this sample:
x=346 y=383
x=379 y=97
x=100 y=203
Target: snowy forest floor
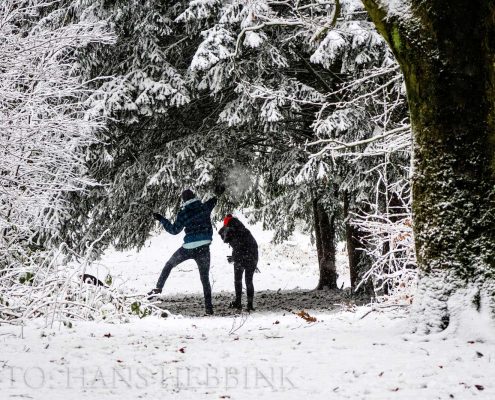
x=261 y=355
x=344 y=351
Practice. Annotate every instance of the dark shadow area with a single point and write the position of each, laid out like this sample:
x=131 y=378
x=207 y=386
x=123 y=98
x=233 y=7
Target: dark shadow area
x=277 y=301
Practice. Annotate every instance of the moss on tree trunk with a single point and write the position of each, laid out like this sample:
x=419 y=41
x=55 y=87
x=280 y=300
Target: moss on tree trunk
x=446 y=52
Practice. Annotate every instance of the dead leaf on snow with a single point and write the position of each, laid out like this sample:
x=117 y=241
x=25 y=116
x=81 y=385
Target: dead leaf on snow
x=305 y=316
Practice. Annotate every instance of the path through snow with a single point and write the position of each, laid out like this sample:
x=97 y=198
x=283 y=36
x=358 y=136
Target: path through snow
x=265 y=301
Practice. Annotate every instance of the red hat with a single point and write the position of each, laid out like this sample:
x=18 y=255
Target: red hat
x=227 y=219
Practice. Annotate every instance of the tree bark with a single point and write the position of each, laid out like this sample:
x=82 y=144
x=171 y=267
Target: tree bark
x=359 y=263
x=325 y=246
x=447 y=53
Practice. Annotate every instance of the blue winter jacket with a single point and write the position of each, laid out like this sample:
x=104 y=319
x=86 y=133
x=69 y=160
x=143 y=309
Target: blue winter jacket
x=194 y=217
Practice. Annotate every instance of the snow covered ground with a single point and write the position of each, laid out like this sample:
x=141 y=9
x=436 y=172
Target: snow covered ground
x=267 y=355
x=273 y=354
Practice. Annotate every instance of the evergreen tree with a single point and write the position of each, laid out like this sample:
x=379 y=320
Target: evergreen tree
x=148 y=153
x=247 y=92
x=289 y=94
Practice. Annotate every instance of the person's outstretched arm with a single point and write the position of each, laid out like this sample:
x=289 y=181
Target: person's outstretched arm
x=172 y=228
x=210 y=204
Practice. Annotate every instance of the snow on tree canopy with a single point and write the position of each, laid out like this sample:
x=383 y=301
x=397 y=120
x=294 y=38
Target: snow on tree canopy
x=237 y=112
x=218 y=45
x=232 y=13
x=313 y=169
x=329 y=50
x=337 y=122
x=253 y=39
x=350 y=8
x=270 y=111
x=198 y=9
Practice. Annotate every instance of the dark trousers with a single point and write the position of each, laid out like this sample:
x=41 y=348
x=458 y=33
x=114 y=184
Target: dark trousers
x=202 y=257
x=246 y=268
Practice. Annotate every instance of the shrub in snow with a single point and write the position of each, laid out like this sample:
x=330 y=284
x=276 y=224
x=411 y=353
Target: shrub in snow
x=46 y=125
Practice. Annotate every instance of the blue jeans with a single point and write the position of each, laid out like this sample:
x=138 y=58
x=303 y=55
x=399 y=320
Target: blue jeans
x=202 y=257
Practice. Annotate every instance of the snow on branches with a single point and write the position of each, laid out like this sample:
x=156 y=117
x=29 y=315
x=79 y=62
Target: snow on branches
x=215 y=47
x=43 y=117
x=46 y=124
x=389 y=240
x=306 y=96
x=322 y=98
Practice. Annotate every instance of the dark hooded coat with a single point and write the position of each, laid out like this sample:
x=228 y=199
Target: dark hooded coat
x=244 y=246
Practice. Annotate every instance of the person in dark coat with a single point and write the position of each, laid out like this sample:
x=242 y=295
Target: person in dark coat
x=244 y=256
x=194 y=218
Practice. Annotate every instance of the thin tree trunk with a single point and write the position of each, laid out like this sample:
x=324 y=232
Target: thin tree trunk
x=325 y=246
x=316 y=217
x=447 y=55
x=359 y=262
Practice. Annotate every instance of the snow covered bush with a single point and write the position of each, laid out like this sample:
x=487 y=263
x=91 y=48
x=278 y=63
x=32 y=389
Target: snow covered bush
x=46 y=125
x=388 y=238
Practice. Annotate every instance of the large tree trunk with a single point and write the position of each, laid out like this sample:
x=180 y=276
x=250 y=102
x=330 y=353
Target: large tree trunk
x=359 y=262
x=447 y=53
x=325 y=246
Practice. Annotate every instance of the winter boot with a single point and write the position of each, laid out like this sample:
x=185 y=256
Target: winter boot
x=152 y=293
x=236 y=304
x=250 y=305
x=209 y=311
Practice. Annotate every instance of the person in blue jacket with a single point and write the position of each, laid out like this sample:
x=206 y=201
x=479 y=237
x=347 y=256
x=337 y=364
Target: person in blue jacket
x=194 y=218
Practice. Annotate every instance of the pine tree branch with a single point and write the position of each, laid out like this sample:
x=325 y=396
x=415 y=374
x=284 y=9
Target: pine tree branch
x=343 y=145
x=259 y=27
